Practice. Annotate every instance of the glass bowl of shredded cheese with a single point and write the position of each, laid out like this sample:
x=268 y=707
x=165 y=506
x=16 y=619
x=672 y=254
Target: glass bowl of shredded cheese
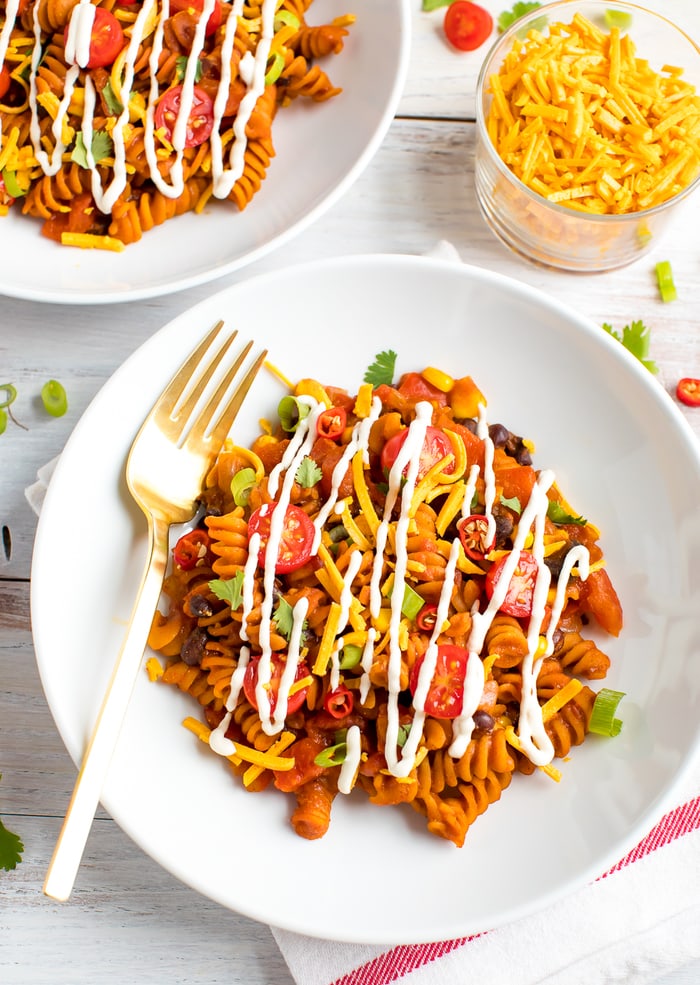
x=588 y=118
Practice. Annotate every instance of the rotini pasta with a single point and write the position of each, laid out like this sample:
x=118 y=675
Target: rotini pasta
x=117 y=116
x=383 y=594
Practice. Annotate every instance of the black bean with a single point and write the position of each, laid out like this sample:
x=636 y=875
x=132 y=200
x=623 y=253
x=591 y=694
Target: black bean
x=200 y=606
x=193 y=648
x=483 y=721
x=499 y=434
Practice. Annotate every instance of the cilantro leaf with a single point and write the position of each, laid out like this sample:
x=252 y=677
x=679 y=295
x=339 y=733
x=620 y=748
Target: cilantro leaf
x=635 y=338
x=11 y=848
x=229 y=589
x=518 y=10
x=110 y=97
x=513 y=504
x=382 y=369
x=102 y=147
x=284 y=618
x=308 y=473
x=557 y=514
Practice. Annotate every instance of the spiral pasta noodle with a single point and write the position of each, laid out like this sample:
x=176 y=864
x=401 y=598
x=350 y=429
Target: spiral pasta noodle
x=409 y=625
x=116 y=118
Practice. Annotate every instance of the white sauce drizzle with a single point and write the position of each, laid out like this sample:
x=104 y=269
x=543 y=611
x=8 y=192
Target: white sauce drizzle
x=353 y=754
x=217 y=739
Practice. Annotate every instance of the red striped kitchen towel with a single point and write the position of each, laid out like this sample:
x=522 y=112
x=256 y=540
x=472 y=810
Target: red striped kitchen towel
x=637 y=921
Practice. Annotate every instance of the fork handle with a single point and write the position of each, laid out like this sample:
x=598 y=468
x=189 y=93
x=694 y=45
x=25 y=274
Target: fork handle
x=74 y=833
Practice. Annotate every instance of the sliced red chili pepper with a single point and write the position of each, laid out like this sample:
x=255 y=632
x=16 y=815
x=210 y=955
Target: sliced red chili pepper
x=688 y=391
x=474 y=534
x=339 y=702
x=427 y=617
x=331 y=423
x=191 y=549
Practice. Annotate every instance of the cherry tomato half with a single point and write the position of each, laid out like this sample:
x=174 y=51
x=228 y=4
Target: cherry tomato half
x=446 y=694
x=277 y=665
x=200 y=120
x=195 y=7
x=4 y=80
x=191 y=548
x=474 y=534
x=106 y=39
x=339 y=702
x=518 y=598
x=435 y=447
x=297 y=538
x=688 y=391
x=331 y=423
x=467 y=25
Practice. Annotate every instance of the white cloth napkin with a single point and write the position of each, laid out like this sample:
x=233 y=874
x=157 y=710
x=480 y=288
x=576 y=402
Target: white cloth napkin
x=633 y=924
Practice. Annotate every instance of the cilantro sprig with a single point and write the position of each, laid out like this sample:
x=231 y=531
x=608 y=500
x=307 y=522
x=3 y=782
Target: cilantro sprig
x=518 y=10
x=382 y=369
x=229 y=590
x=636 y=338
x=11 y=847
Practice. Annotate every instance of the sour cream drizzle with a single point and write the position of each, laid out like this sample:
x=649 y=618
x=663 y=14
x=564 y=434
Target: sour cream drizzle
x=252 y=73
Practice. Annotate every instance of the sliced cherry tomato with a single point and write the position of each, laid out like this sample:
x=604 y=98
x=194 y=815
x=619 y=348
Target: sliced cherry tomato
x=435 y=447
x=474 y=534
x=195 y=8
x=106 y=40
x=200 y=121
x=331 y=423
x=688 y=391
x=297 y=538
x=446 y=694
x=192 y=548
x=339 y=702
x=4 y=80
x=467 y=25
x=518 y=598
x=277 y=665
x=414 y=387
x=427 y=617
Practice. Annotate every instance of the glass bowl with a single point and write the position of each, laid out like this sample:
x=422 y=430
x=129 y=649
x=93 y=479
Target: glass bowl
x=557 y=235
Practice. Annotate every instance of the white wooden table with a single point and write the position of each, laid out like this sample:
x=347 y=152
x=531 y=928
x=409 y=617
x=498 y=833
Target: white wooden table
x=128 y=920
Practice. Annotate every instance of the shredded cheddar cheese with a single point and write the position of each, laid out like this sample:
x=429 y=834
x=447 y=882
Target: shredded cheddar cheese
x=584 y=122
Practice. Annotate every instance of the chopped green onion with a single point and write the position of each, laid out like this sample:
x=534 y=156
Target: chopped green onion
x=286 y=17
x=291 y=413
x=333 y=755
x=603 y=721
x=11 y=392
x=429 y=5
x=275 y=70
x=54 y=398
x=404 y=731
x=338 y=533
x=557 y=514
x=241 y=484
x=351 y=656
x=617 y=18
x=12 y=186
x=3 y=420
x=412 y=602
x=664 y=275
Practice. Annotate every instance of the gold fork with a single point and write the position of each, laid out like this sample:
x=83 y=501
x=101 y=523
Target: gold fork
x=167 y=464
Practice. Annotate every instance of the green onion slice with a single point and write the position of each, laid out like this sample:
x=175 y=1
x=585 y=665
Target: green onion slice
x=664 y=275
x=617 y=18
x=3 y=420
x=412 y=603
x=333 y=755
x=11 y=392
x=286 y=17
x=54 y=398
x=12 y=186
x=275 y=69
x=241 y=484
x=291 y=413
x=603 y=721
x=351 y=656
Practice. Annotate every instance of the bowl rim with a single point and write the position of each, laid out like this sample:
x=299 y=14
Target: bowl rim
x=485 y=140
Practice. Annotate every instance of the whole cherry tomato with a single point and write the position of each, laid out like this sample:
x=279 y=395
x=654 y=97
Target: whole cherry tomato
x=467 y=25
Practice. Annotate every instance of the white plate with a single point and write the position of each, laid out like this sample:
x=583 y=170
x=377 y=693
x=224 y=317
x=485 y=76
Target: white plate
x=321 y=149
x=623 y=455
